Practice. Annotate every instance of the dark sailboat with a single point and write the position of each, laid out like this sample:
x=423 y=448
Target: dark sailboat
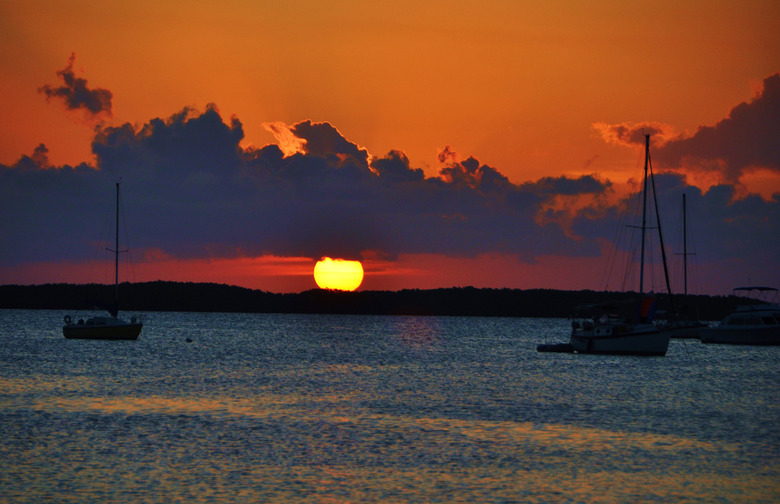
x=608 y=331
x=109 y=327
x=681 y=325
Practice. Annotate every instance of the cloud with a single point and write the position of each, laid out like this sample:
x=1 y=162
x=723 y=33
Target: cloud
x=76 y=95
x=287 y=140
x=394 y=168
x=627 y=134
x=470 y=173
x=191 y=191
x=747 y=139
x=744 y=141
x=322 y=139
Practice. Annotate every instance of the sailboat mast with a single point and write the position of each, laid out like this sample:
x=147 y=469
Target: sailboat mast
x=661 y=238
x=644 y=219
x=685 y=249
x=116 y=251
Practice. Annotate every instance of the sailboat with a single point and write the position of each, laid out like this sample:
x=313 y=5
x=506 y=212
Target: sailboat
x=106 y=327
x=607 y=330
x=680 y=325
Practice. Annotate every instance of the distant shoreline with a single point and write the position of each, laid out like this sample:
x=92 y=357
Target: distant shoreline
x=455 y=301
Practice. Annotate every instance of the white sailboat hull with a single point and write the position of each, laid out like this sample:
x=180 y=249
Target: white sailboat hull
x=639 y=339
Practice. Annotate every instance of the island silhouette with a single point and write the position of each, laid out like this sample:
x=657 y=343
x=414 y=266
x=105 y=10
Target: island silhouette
x=452 y=301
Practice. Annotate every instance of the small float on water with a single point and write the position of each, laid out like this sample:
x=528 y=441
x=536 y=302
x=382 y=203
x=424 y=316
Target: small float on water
x=556 y=348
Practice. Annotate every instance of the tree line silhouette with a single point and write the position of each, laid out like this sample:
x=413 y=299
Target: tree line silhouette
x=455 y=301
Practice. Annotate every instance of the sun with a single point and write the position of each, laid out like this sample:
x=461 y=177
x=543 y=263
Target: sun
x=338 y=274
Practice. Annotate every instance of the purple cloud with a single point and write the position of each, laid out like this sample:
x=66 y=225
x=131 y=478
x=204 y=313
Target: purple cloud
x=747 y=139
x=193 y=191
x=76 y=95
x=196 y=192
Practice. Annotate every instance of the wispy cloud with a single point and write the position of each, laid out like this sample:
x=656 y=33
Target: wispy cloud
x=628 y=133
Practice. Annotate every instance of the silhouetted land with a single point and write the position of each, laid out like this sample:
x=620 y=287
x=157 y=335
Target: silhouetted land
x=469 y=301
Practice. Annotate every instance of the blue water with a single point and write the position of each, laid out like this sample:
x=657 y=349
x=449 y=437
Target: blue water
x=343 y=409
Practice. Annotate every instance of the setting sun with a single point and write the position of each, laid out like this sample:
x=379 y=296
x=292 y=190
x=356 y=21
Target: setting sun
x=338 y=274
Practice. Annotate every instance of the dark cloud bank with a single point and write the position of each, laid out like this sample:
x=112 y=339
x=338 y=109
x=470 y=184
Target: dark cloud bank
x=192 y=191
x=195 y=192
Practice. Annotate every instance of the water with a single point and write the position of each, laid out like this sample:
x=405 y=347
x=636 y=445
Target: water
x=343 y=409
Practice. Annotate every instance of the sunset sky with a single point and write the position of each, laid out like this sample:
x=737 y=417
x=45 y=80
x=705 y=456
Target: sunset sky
x=443 y=144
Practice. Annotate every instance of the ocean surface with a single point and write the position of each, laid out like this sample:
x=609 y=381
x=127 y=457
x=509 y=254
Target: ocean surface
x=209 y=407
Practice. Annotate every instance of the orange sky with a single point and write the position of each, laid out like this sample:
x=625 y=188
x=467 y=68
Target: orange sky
x=518 y=85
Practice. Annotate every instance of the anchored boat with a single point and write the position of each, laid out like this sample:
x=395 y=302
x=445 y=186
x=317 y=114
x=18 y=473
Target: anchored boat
x=749 y=324
x=621 y=330
x=106 y=327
